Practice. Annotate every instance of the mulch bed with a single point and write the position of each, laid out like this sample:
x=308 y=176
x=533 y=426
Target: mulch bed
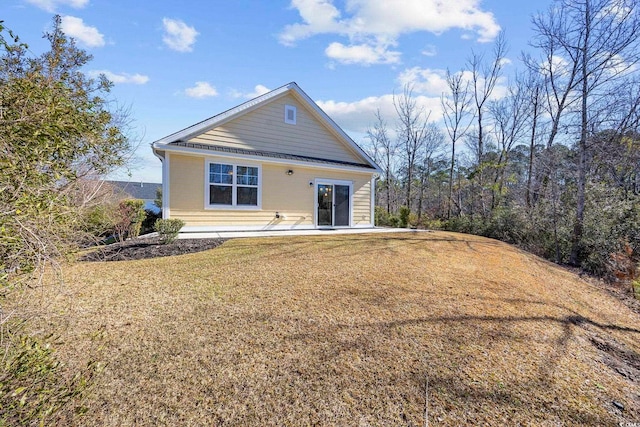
x=149 y=248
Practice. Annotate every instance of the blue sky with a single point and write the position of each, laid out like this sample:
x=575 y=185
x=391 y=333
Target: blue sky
x=177 y=63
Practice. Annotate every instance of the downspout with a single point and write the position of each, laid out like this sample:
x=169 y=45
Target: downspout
x=374 y=178
x=164 y=159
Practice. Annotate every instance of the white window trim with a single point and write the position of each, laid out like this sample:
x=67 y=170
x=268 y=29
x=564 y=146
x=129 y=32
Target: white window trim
x=288 y=108
x=233 y=206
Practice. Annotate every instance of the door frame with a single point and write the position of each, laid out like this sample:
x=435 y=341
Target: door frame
x=332 y=182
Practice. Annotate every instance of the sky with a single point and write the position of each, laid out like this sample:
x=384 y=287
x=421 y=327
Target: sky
x=176 y=63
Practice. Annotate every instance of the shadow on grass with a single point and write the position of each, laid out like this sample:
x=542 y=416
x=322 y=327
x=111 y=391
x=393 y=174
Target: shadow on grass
x=359 y=243
x=365 y=337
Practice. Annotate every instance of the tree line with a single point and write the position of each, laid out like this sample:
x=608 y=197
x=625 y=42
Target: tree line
x=551 y=163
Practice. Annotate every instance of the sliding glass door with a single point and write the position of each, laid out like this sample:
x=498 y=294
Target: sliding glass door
x=334 y=205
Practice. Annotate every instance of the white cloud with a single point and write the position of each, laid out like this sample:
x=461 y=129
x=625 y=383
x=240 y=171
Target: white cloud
x=361 y=54
x=319 y=16
x=201 y=90
x=618 y=10
x=178 y=36
x=51 y=5
x=433 y=82
x=122 y=78
x=429 y=50
x=424 y=80
x=257 y=91
x=617 y=65
x=84 y=34
x=357 y=116
x=378 y=24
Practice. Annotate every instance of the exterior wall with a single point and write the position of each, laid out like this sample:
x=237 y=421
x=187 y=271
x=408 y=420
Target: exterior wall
x=264 y=129
x=289 y=195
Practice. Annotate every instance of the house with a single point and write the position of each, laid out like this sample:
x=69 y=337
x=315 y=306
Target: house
x=145 y=191
x=276 y=162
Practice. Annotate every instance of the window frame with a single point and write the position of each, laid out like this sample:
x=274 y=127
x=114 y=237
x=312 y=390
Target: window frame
x=292 y=108
x=234 y=185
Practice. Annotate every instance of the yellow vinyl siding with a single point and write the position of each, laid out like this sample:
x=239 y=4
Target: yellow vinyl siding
x=186 y=184
x=264 y=129
x=362 y=203
x=290 y=195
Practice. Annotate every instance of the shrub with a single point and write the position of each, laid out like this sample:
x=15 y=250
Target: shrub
x=149 y=223
x=463 y=224
x=168 y=229
x=99 y=220
x=404 y=216
x=384 y=219
x=130 y=216
x=413 y=220
x=432 y=224
x=506 y=224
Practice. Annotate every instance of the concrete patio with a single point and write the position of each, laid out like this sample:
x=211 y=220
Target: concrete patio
x=282 y=233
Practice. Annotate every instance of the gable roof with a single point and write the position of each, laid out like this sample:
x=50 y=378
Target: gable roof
x=137 y=190
x=180 y=138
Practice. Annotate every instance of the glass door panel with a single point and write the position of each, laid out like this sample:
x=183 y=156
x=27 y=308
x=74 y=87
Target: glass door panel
x=341 y=200
x=325 y=205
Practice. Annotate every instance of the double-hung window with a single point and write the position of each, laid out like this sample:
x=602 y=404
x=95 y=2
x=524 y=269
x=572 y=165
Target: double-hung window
x=232 y=185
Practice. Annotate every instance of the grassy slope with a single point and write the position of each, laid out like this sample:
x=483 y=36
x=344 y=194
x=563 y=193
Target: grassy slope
x=347 y=330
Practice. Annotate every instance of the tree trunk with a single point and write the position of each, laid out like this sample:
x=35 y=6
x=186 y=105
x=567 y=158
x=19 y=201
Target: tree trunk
x=532 y=147
x=453 y=160
x=578 y=226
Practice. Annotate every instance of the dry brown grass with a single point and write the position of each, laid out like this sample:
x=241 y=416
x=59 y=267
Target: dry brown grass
x=349 y=330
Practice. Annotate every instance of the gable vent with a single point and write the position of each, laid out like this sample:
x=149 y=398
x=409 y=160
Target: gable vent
x=290 y=114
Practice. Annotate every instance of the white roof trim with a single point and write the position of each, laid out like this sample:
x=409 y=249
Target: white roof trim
x=243 y=108
x=265 y=159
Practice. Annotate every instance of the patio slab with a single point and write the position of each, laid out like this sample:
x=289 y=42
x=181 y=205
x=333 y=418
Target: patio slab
x=281 y=233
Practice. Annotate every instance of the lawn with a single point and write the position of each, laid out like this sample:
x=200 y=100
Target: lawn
x=347 y=330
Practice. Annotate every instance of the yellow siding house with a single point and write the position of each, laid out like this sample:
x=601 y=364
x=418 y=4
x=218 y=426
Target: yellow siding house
x=276 y=162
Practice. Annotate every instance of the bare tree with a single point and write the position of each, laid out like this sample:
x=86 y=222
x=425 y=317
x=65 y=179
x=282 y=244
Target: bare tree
x=596 y=43
x=533 y=87
x=510 y=116
x=433 y=144
x=412 y=131
x=484 y=77
x=457 y=118
x=383 y=151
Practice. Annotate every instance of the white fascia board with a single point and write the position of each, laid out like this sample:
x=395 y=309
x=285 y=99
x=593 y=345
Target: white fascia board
x=264 y=159
x=222 y=118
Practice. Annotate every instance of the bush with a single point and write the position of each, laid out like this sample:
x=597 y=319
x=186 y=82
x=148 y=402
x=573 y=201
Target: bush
x=384 y=219
x=611 y=230
x=413 y=220
x=506 y=224
x=168 y=229
x=130 y=216
x=149 y=223
x=463 y=224
x=99 y=221
x=432 y=224
x=404 y=216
